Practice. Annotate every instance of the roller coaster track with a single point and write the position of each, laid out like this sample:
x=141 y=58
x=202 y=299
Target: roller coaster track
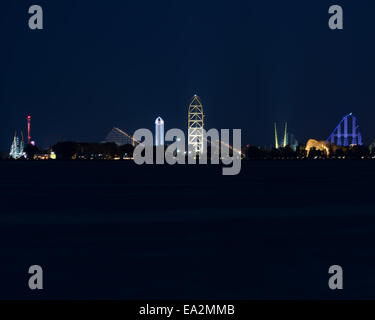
x=341 y=135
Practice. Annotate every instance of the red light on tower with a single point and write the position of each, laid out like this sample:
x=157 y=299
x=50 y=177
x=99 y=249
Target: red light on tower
x=28 y=129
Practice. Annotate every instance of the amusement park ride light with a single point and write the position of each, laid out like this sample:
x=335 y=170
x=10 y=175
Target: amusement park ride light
x=318 y=145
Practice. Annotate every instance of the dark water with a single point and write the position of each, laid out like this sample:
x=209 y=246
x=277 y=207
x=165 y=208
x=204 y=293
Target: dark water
x=120 y=231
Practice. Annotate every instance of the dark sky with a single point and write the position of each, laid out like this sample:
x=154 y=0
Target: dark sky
x=99 y=64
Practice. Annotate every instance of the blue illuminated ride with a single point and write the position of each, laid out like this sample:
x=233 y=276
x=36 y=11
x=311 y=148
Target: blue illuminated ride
x=347 y=132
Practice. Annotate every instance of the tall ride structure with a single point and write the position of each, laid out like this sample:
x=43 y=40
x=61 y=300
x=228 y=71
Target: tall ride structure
x=276 y=139
x=342 y=136
x=159 y=132
x=28 y=129
x=285 y=140
x=195 y=126
x=17 y=147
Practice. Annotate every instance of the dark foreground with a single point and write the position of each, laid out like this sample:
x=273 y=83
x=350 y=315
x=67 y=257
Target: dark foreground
x=113 y=230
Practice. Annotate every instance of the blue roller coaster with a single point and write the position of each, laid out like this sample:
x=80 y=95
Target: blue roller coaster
x=347 y=132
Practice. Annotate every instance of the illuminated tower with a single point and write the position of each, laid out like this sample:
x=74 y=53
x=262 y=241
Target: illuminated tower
x=28 y=129
x=285 y=142
x=159 y=132
x=276 y=139
x=195 y=125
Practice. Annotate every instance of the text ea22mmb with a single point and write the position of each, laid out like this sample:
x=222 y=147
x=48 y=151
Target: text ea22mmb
x=335 y=20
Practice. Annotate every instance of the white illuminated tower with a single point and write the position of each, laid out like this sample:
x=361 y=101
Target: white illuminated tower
x=159 y=132
x=195 y=126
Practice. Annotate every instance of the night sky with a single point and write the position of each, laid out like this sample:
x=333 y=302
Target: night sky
x=99 y=64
